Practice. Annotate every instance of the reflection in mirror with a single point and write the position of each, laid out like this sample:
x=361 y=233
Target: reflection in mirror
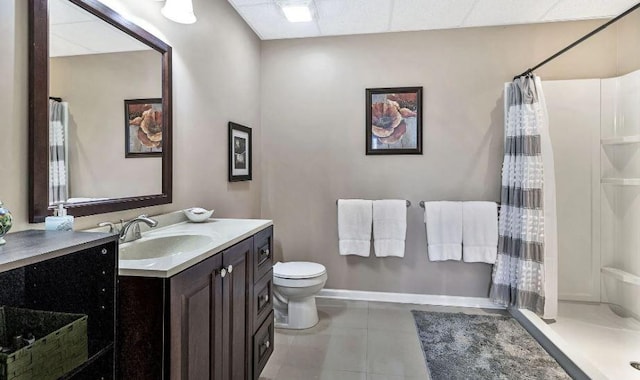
x=105 y=110
x=95 y=156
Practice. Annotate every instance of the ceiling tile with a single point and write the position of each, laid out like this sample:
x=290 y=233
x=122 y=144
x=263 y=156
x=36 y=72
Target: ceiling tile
x=97 y=36
x=429 y=14
x=63 y=11
x=582 y=9
x=506 y=12
x=353 y=16
x=268 y=22
x=343 y=17
x=59 y=47
x=242 y=3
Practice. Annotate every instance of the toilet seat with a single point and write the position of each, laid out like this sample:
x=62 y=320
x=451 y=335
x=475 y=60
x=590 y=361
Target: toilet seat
x=298 y=270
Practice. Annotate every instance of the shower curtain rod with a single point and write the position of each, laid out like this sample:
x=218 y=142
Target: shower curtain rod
x=576 y=43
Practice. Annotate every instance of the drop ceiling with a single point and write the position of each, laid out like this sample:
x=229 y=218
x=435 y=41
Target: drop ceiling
x=342 y=17
x=74 y=31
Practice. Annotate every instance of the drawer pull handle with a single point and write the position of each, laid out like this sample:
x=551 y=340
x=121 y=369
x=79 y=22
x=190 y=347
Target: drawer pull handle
x=267 y=344
x=263 y=301
x=223 y=272
x=266 y=252
x=104 y=251
x=230 y=269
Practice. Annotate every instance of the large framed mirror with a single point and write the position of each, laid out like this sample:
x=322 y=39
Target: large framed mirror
x=100 y=111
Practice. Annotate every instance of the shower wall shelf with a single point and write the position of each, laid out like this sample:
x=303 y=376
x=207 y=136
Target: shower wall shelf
x=621 y=181
x=621 y=140
x=621 y=275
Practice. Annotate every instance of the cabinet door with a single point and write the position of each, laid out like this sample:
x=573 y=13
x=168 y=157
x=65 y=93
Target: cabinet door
x=196 y=322
x=235 y=314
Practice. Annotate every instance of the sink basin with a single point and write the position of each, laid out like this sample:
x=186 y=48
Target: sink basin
x=162 y=246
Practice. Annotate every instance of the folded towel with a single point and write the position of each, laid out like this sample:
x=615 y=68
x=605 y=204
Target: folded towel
x=389 y=227
x=444 y=230
x=479 y=232
x=354 y=226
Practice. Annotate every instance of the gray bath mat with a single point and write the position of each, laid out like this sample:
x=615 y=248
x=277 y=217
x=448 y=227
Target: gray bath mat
x=459 y=346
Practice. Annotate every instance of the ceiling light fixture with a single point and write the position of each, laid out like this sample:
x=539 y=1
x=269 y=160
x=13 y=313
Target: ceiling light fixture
x=297 y=10
x=180 y=11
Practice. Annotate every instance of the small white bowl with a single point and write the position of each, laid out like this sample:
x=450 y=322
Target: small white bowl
x=197 y=214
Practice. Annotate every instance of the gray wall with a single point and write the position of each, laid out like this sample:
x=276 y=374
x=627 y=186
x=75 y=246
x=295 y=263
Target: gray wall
x=312 y=100
x=216 y=76
x=313 y=109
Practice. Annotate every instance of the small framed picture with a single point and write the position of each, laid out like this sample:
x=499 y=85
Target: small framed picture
x=143 y=128
x=239 y=152
x=394 y=120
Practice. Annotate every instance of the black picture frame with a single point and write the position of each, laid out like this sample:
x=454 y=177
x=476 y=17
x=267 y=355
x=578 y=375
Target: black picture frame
x=240 y=153
x=398 y=119
x=129 y=115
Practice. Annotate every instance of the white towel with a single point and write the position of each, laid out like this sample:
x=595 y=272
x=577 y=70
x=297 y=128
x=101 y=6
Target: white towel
x=479 y=232
x=444 y=230
x=354 y=226
x=389 y=227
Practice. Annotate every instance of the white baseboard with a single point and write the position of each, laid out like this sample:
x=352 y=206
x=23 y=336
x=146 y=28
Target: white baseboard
x=420 y=299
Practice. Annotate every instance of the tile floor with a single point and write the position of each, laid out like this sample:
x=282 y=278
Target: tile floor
x=356 y=340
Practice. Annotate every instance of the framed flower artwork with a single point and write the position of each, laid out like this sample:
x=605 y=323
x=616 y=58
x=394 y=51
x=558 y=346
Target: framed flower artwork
x=143 y=128
x=394 y=120
x=240 y=148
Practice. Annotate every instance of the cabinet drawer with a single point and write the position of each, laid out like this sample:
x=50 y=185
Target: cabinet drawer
x=262 y=346
x=262 y=299
x=263 y=247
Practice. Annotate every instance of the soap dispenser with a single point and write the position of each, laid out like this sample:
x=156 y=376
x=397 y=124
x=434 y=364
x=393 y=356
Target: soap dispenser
x=60 y=221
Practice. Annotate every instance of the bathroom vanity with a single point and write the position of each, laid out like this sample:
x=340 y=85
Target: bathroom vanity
x=55 y=273
x=196 y=302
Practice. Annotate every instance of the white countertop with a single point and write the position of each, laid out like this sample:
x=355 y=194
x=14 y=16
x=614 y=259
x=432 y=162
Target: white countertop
x=223 y=232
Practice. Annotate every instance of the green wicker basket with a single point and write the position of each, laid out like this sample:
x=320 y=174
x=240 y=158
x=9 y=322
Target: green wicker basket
x=61 y=343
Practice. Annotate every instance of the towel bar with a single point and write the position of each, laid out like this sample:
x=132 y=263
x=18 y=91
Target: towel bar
x=408 y=203
x=422 y=205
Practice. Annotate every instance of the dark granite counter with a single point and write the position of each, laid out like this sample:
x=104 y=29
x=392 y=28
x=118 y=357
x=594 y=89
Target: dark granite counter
x=33 y=246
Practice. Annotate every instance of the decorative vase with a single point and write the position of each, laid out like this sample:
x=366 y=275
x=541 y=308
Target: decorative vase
x=5 y=222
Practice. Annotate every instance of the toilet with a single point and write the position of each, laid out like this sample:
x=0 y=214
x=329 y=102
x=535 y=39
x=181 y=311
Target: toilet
x=295 y=285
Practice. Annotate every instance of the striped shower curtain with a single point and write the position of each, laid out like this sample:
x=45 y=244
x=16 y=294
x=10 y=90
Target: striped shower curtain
x=58 y=184
x=525 y=273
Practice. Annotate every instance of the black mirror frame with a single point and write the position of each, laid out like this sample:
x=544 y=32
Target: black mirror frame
x=39 y=207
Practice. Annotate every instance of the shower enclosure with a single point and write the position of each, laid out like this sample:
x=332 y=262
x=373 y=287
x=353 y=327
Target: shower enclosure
x=595 y=131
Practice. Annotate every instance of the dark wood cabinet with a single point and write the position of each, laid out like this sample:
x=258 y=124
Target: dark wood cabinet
x=196 y=311
x=263 y=345
x=209 y=316
x=67 y=272
x=261 y=304
x=263 y=246
x=235 y=292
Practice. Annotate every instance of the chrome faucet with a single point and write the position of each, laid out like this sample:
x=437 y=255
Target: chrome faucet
x=135 y=223
x=113 y=229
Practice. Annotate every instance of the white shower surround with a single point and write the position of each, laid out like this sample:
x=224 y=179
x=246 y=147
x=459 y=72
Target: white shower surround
x=620 y=199
x=595 y=128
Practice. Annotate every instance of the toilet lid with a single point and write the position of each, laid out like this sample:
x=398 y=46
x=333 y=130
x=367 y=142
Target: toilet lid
x=298 y=269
